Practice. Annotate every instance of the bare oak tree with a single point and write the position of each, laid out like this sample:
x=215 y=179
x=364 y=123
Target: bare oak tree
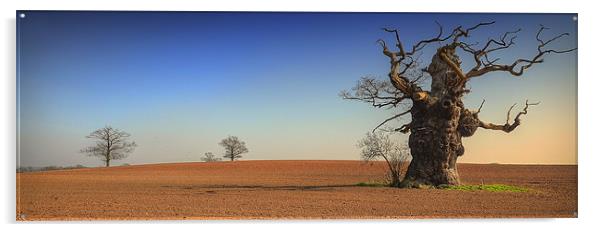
x=439 y=119
x=234 y=148
x=110 y=144
x=380 y=146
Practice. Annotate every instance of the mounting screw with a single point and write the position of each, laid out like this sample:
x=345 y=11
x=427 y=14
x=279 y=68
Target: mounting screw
x=22 y=15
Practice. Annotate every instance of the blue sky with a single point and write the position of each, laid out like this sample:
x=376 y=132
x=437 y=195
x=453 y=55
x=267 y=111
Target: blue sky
x=180 y=82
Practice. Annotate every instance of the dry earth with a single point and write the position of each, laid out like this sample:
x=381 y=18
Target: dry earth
x=285 y=190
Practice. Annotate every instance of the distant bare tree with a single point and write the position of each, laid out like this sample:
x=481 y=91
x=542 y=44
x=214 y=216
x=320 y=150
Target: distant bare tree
x=210 y=157
x=110 y=144
x=234 y=147
x=379 y=146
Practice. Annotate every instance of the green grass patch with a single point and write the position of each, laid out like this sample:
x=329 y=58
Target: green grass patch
x=487 y=187
x=370 y=184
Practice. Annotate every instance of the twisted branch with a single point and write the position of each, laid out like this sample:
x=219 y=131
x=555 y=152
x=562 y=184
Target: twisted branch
x=397 y=74
x=508 y=127
x=518 y=67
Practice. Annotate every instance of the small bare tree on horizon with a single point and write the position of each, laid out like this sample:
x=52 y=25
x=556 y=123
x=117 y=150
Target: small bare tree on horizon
x=234 y=147
x=110 y=144
x=380 y=146
x=210 y=157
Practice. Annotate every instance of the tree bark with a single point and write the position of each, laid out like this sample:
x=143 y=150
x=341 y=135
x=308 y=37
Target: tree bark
x=108 y=155
x=438 y=126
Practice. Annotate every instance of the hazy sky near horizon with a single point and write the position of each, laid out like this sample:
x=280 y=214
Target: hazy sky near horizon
x=181 y=82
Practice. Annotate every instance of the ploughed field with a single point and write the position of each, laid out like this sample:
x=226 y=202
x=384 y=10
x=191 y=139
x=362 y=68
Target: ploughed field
x=286 y=190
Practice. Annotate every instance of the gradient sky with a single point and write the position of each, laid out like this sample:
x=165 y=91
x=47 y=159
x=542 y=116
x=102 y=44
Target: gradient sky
x=180 y=82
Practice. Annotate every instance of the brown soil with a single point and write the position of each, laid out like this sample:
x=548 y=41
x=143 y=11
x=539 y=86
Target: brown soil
x=286 y=190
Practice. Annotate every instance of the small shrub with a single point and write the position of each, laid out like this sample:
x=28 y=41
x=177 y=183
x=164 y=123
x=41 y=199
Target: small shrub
x=381 y=146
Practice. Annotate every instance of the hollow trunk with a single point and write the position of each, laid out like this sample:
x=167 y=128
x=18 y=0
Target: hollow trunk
x=438 y=125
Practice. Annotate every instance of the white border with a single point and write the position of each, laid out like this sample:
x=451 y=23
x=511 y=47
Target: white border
x=589 y=113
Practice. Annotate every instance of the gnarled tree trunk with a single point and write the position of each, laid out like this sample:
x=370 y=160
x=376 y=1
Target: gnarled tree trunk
x=438 y=125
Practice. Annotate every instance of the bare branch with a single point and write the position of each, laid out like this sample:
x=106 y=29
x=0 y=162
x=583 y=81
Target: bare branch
x=399 y=45
x=502 y=43
x=421 y=44
x=376 y=92
x=391 y=118
x=481 y=56
x=518 y=67
x=480 y=107
x=394 y=75
x=458 y=32
x=508 y=127
x=508 y=114
x=405 y=128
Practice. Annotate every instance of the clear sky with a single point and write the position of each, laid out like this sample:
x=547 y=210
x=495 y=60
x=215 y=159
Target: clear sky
x=180 y=82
